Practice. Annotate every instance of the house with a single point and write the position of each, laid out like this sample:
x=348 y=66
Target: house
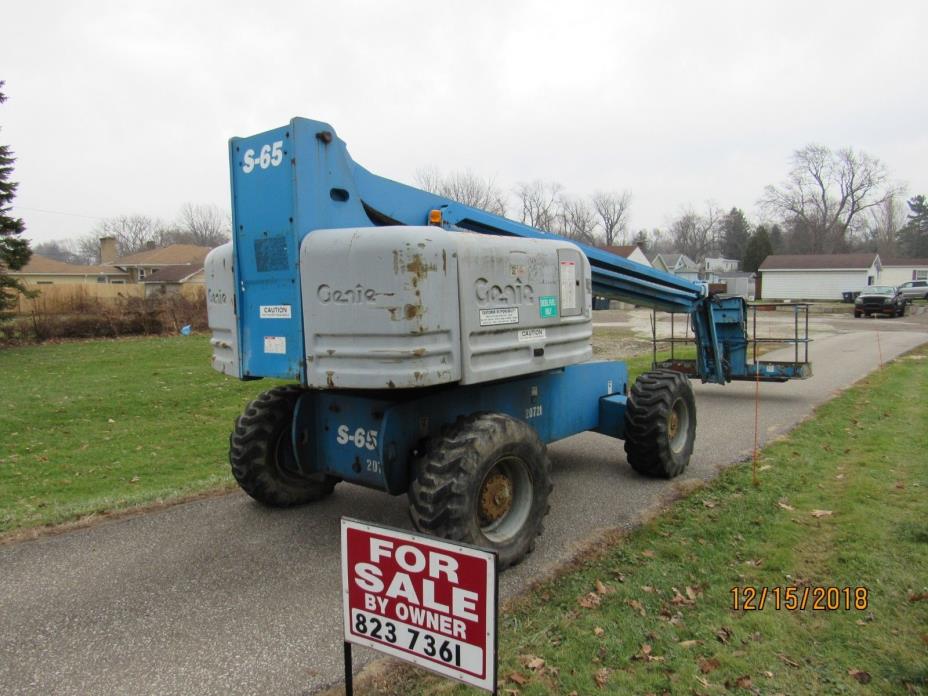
x=631 y=252
x=898 y=271
x=817 y=276
x=170 y=279
x=678 y=264
x=143 y=263
x=42 y=270
x=720 y=265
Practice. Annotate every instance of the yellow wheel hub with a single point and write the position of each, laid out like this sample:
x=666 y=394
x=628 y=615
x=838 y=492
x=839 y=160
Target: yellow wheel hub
x=495 y=497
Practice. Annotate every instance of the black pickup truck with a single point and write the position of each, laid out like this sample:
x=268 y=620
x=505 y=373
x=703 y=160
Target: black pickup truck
x=880 y=299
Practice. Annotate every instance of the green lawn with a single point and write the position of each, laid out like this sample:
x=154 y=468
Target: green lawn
x=94 y=426
x=843 y=502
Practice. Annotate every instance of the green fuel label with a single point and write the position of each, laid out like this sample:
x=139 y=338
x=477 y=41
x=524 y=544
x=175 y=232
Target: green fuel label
x=547 y=306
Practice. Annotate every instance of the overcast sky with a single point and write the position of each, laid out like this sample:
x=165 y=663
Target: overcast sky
x=126 y=107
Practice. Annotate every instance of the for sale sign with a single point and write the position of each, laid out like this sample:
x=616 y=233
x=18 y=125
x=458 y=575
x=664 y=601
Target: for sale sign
x=424 y=600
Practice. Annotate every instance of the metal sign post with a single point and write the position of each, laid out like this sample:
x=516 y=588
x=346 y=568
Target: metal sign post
x=420 y=599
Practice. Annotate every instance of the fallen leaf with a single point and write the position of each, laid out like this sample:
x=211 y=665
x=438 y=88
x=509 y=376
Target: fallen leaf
x=723 y=634
x=768 y=674
x=741 y=682
x=134 y=479
x=602 y=676
x=512 y=692
x=533 y=662
x=709 y=503
x=647 y=588
x=918 y=597
x=519 y=679
x=785 y=505
x=599 y=631
x=646 y=654
x=689 y=643
x=636 y=605
x=821 y=513
x=860 y=675
x=691 y=592
x=704 y=682
x=648 y=553
x=787 y=661
x=589 y=600
x=603 y=589
x=706 y=666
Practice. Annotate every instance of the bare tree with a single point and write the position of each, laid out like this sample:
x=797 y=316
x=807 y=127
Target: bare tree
x=540 y=203
x=133 y=233
x=826 y=192
x=883 y=226
x=203 y=225
x=64 y=250
x=696 y=235
x=464 y=187
x=612 y=209
x=578 y=221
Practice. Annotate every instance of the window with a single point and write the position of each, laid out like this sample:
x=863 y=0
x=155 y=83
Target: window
x=101 y=279
x=921 y=275
x=43 y=282
x=117 y=282
x=141 y=273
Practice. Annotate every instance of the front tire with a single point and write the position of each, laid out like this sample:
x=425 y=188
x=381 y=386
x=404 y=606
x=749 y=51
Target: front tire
x=484 y=481
x=660 y=424
x=261 y=453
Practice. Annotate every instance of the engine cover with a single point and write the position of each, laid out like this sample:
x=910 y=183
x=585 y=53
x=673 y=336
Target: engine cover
x=407 y=307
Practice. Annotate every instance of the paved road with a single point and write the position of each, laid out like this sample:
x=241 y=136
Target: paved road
x=221 y=596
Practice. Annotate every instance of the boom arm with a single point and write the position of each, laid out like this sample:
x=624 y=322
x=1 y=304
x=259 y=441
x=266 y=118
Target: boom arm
x=292 y=180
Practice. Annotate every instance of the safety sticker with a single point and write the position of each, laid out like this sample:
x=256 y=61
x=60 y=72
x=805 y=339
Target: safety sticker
x=275 y=345
x=568 y=284
x=547 y=306
x=531 y=335
x=499 y=315
x=281 y=311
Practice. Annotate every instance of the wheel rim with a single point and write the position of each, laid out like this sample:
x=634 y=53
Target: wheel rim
x=504 y=500
x=678 y=425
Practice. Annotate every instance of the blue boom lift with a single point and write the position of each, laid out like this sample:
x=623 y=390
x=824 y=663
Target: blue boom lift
x=434 y=348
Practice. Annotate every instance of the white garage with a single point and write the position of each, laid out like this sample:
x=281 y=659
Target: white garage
x=817 y=276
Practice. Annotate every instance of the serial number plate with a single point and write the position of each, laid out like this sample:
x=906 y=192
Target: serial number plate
x=418 y=641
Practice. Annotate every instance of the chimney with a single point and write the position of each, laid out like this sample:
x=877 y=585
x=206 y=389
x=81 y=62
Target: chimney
x=107 y=250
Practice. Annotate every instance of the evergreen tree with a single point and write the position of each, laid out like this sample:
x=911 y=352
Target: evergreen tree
x=776 y=239
x=914 y=236
x=735 y=234
x=757 y=250
x=14 y=251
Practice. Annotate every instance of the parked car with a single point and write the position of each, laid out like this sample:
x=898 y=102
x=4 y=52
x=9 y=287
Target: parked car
x=914 y=290
x=880 y=299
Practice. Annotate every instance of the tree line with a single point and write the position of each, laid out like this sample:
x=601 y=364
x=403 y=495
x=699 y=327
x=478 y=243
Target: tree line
x=202 y=225
x=831 y=201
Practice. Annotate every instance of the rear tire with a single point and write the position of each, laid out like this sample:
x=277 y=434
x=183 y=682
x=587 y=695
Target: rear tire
x=660 y=424
x=484 y=481
x=261 y=453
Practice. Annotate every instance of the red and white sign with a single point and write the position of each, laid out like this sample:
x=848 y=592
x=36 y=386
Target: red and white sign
x=423 y=600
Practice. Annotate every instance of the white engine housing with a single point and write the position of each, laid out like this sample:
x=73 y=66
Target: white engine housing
x=408 y=307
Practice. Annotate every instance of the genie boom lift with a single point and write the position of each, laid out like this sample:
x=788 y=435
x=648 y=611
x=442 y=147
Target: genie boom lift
x=433 y=348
